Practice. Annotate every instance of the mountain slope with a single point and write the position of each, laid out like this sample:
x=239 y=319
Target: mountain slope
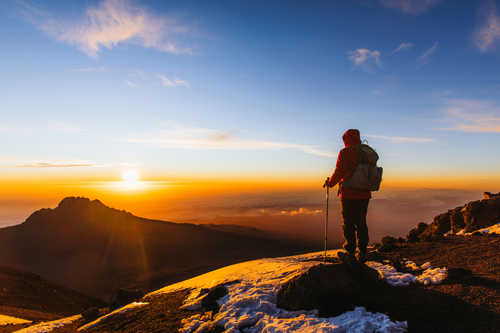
x=28 y=296
x=248 y=295
x=95 y=249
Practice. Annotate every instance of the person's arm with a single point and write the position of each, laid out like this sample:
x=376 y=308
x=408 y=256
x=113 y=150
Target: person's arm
x=340 y=170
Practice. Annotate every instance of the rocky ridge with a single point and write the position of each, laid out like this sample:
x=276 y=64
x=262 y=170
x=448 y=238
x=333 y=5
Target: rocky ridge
x=470 y=217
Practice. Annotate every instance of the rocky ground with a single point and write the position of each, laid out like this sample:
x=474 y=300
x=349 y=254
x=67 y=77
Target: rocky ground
x=473 y=263
x=467 y=301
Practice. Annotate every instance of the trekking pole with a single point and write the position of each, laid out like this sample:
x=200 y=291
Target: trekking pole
x=326 y=215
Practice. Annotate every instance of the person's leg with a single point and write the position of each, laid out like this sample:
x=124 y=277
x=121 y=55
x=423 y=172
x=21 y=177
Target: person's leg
x=348 y=220
x=361 y=227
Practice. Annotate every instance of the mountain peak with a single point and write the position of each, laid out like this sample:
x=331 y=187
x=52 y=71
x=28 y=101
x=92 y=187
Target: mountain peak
x=79 y=202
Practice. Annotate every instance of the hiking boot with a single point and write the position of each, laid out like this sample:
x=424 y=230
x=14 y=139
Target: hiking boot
x=361 y=256
x=346 y=257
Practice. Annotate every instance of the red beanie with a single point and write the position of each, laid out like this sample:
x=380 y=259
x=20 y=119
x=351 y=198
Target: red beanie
x=351 y=137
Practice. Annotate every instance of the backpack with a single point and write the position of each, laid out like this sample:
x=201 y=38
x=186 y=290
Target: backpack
x=367 y=175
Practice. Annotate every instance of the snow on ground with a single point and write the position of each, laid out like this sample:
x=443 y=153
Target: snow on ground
x=391 y=275
x=251 y=300
x=48 y=326
x=126 y=308
x=428 y=274
x=494 y=229
x=8 y=320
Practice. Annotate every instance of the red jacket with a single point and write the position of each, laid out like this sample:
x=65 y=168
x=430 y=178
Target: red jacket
x=346 y=164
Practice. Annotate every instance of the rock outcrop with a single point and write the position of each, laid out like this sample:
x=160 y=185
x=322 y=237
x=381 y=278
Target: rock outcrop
x=346 y=284
x=473 y=216
x=489 y=195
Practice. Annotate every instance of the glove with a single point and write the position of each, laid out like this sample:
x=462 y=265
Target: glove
x=327 y=182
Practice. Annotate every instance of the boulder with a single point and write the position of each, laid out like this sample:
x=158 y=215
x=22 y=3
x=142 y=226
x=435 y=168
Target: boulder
x=336 y=287
x=209 y=302
x=413 y=235
x=389 y=243
x=442 y=223
x=433 y=230
x=481 y=214
x=489 y=195
x=457 y=221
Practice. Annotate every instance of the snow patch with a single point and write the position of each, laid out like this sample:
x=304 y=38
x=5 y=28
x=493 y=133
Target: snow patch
x=49 y=326
x=427 y=276
x=494 y=229
x=391 y=275
x=8 y=320
x=432 y=276
x=126 y=308
x=251 y=300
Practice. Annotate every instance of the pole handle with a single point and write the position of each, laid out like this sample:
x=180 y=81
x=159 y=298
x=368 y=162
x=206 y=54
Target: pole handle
x=327 y=182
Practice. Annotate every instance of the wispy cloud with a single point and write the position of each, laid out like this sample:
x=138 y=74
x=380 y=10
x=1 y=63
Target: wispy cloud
x=301 y=211
x=365 y=58
x=403 y=47
x=472 y=116
x=89 y=69
x=130 y=84
x=400 y=139
x=425 y=57
x=488 y=34
x=201 y=138
x=413 y=7
x=58 y=164
x=175 y=82
x=108 y=24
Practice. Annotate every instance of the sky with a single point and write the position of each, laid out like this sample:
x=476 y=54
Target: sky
x=204 y=97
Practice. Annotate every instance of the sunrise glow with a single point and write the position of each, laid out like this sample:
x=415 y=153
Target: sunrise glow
x=162 y=117
x=130 y=180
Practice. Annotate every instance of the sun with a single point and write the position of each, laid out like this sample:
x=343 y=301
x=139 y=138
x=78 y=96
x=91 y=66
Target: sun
x=130 y=176
x=130 y=179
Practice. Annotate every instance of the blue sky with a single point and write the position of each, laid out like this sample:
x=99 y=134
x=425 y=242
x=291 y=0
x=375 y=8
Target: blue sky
x=228 y=88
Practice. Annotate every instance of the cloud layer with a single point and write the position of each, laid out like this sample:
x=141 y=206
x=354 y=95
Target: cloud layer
x=473 y=116
x=57 y=164
x=413 y=7
x=488 y=33
x=201 y=138
x=108 y=24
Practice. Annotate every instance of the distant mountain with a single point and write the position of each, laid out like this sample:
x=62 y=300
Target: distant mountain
x=95 y=249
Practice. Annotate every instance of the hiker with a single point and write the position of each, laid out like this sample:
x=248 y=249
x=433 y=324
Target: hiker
x=353 y=201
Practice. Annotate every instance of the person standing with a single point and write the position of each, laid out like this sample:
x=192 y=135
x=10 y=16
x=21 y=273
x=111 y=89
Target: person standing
x=354 y=202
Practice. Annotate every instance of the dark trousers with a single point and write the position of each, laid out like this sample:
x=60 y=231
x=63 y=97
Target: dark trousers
x=354 y=224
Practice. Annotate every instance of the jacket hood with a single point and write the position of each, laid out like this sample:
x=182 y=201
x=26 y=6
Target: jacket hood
x=351 y=137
